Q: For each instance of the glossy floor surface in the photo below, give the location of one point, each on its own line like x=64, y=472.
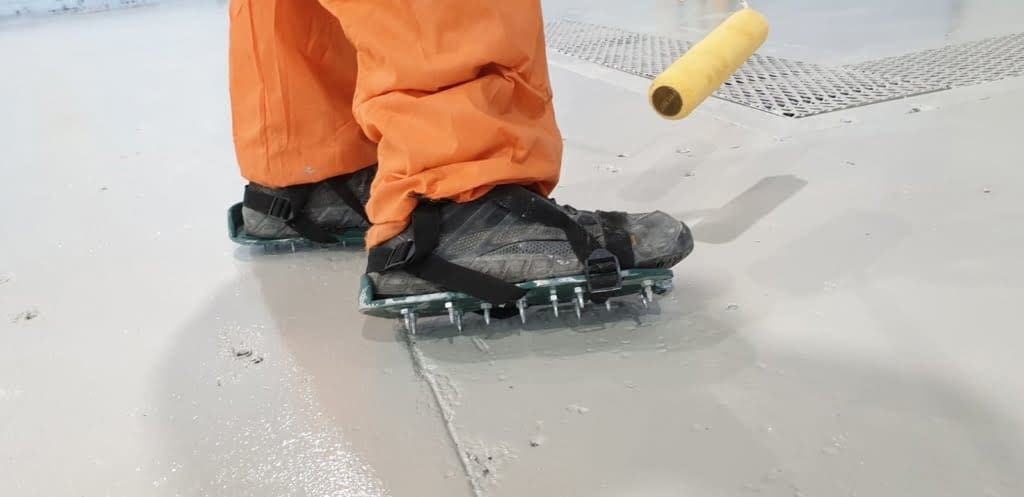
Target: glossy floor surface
x=847, y=324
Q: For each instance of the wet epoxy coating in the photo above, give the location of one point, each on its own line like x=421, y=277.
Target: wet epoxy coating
x=845, y=326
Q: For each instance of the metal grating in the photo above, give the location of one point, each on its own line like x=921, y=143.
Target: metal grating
x=967, y=64
x=817, y=91
x=799, y=89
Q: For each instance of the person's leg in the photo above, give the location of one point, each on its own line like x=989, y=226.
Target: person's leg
x=457, y=94
x=292, y=78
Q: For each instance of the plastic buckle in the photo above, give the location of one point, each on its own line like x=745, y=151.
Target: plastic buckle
x=400, y=256
x=281, y=208
x=603, y=272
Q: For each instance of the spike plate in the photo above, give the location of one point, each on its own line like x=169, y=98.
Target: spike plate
x=539, y=293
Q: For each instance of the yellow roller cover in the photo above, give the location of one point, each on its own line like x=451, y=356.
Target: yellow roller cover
x=708, y=64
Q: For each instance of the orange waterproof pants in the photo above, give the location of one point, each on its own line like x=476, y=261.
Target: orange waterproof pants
x=448, y=97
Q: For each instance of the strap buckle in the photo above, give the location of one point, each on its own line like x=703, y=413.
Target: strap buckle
x=603, y=272
x=281, y=208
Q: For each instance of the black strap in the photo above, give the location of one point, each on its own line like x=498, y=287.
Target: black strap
x=616, y=236
x=602, y=264
x=544, y=211
x=416, y=258
x=340, y=187
x=288, y=205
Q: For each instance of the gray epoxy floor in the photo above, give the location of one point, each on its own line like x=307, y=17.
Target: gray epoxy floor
x=846, y=325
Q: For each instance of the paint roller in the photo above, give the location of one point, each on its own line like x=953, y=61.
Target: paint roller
x=703, y=68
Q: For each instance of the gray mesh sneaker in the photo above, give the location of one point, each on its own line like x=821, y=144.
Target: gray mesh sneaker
x=313, y=211
x=512, y=235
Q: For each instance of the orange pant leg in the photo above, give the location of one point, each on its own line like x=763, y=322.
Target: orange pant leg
x=292, y=77
x=457, y=94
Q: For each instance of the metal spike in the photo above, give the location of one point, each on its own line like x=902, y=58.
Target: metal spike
x=608, y=305
x=451, y=311
x=644, y=301
x=458, y=320
x=649, y=290
x=576, y=307
x=486, y=307
x=410, y=320
x=579, y=297
x=554, y=300
x=521, y=304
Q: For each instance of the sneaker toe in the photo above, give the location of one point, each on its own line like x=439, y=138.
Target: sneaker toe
x=659, y=240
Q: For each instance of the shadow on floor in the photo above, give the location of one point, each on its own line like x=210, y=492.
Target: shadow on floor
x=726, y=223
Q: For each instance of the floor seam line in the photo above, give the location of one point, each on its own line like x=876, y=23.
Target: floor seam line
x=447, y=414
